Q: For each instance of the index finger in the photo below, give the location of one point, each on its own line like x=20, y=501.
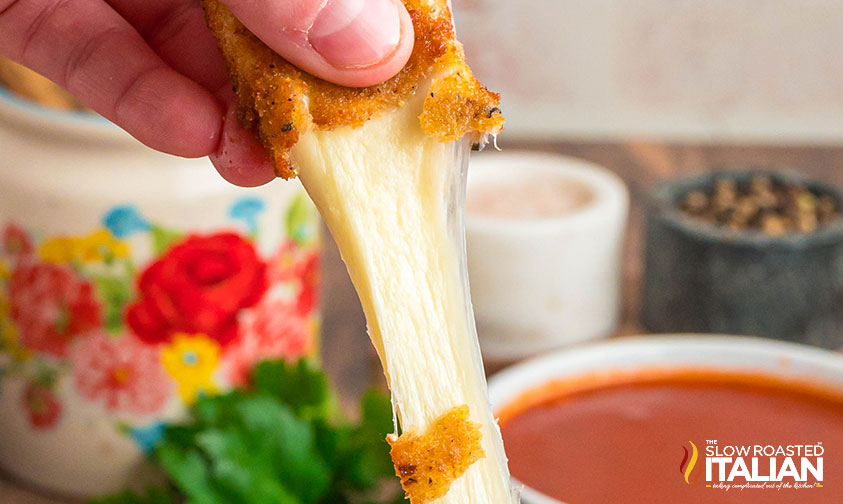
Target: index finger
x=86, y=47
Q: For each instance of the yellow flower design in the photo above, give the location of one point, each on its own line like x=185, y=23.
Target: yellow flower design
x=60, y=250
x=191, y=360
x=9, y=335
x=99, y=246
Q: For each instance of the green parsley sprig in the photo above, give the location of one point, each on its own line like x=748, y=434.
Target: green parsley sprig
x=282, y=441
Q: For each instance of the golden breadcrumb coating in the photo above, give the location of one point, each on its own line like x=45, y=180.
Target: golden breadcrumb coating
x=280, y=102
x=428, y=463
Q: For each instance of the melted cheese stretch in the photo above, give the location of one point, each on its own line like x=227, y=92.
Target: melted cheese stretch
x=392, y=198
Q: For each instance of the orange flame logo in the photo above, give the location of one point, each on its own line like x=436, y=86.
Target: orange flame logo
x=686, y=469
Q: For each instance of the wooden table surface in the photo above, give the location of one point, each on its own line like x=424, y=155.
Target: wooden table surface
x=347, y=354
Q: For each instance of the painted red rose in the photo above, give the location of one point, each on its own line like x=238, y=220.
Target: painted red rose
x=51, y=306
x=41, y=404
x=198, y=286
x=16, y=241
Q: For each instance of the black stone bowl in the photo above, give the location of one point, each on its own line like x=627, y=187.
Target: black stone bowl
x=705, y=279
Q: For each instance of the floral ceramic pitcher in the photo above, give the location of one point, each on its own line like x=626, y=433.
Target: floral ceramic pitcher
x=131, y=283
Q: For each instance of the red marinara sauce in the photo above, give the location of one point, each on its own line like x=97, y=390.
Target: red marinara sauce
x=626, y=438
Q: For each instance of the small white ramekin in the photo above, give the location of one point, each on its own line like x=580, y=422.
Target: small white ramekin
x=542, y=283
x=788, y=361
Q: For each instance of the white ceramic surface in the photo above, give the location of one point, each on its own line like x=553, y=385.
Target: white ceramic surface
x=538, y=284
x=727, y=353
x=62, y=175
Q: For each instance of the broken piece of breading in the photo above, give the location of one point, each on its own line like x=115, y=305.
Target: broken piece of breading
x=280, y=102
x=385, y=166
x=429, y=462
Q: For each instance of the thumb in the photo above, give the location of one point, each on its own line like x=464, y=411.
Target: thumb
x=348, y=42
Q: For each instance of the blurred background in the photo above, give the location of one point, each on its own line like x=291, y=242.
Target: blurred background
x=689, y=70
x=652, y=92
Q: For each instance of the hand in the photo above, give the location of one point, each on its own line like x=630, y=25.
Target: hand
x=153, y=68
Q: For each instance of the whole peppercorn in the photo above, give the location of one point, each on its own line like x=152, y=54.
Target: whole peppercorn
x=762, y=204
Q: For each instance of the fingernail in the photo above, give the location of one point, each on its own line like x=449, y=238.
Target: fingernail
x=355, y=33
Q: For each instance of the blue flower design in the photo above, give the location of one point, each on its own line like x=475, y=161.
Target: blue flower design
x=148, y=436
x=124, y=220
x=247, y=209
